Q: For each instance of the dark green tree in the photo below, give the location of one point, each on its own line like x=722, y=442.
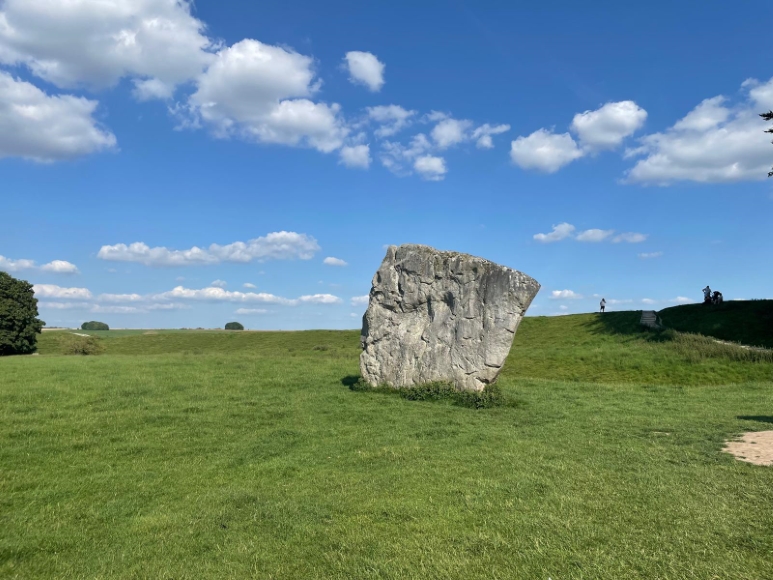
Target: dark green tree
x=234, y=326
x=94, y=325
x=19, y=323
x=768, y=117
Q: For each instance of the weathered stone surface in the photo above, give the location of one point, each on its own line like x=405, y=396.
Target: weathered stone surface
x=441, y=316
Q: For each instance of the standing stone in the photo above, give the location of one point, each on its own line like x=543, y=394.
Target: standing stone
x=441, y=316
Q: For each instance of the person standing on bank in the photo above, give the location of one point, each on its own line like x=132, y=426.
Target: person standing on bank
x=603, y=304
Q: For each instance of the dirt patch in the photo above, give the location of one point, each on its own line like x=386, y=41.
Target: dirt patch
x=150, y=332
x=753, y=447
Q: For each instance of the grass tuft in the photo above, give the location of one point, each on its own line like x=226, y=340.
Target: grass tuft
x=440, y=392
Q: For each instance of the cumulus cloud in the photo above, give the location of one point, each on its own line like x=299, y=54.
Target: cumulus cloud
x=396, y=157
x=649, y=255
x=262, y=93
x=450, y=132
x=44, y=304
x=564, y=295
x=560, y=232
x=544, y=151
x=483, y=135
x=213, y=294
x=274, y=246
x=219, y=284
x=249, y=285
x=365, y=69
x=604, y=128
x=356, y=156
x=55, y=266
x=330, y=261
x=58, y=292
x=682, y=300
x=391, y=119
x=431, y=168
x=715, y=142
x=566, y=230
x=43, y=128
x=360, y=300
x=120, y=298
x=158, y=43
x=649, y=301
x=594, y=235
x=608, y=126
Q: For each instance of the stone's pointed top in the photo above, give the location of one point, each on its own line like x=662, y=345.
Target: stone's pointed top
x=441, y=316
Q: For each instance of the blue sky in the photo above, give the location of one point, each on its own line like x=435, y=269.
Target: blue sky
x=170, y=165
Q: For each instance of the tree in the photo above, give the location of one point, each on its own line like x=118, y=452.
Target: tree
x=234, y=326
x=768, y=117
x=94, y=325
x=19, y=323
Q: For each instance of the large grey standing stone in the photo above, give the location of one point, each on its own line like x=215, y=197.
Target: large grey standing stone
x=441, y=316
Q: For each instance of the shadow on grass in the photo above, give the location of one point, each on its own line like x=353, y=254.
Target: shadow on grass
x=626, y=323
x=350, y=380
x=758, y=418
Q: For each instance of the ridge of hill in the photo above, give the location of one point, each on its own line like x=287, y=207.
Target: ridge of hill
x=748, y=322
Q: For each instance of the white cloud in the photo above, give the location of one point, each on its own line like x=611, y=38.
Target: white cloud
x=261, y=93
x=608, y=126
x=356, y=156
x=330, y=261
x=360, y=300
x=431, y=168
x=563, y=307
x=450, y=132
x=58, y=292
x=649, y=255
x=713, y=143
x=249, y=311
x=213, y=294
x=392, y=119
x=564, y=295
x=56, y=266
x=560, y=232
x=682, y=300
x=483, y=134
x=219, y=283
x=120, y=298
x=99, y=309
x=544, y=151
x=619, y=301
x=320, y=299
x=158, y=43
x=604, y=128
x=43, y=128
x=365, y=69
x=64, y=305
x=630, y=238
x=648, y=301
x=249, y=285
x=274, y=246
x=60, y=267
x=594, y=235
x=395, y=155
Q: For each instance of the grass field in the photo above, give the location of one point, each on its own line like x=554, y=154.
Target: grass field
x=244, y=455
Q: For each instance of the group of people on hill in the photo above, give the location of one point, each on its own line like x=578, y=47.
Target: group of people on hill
x=710, y=297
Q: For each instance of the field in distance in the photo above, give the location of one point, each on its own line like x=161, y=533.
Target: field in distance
x=244, y=454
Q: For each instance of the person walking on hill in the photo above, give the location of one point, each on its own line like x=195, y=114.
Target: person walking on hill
x=603, y=304
x=707, y=294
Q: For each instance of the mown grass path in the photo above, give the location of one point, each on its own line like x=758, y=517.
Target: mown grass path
x=246, y=457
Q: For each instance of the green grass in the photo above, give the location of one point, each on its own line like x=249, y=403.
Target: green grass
x=748, y=322
x=244, y=455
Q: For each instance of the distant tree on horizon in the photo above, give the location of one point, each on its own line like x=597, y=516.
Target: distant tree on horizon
x=768, y=117
x=234, y=326
x=94, y=325
x=19, y=323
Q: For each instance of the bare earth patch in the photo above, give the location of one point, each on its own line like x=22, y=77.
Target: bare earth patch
x=754, y=447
